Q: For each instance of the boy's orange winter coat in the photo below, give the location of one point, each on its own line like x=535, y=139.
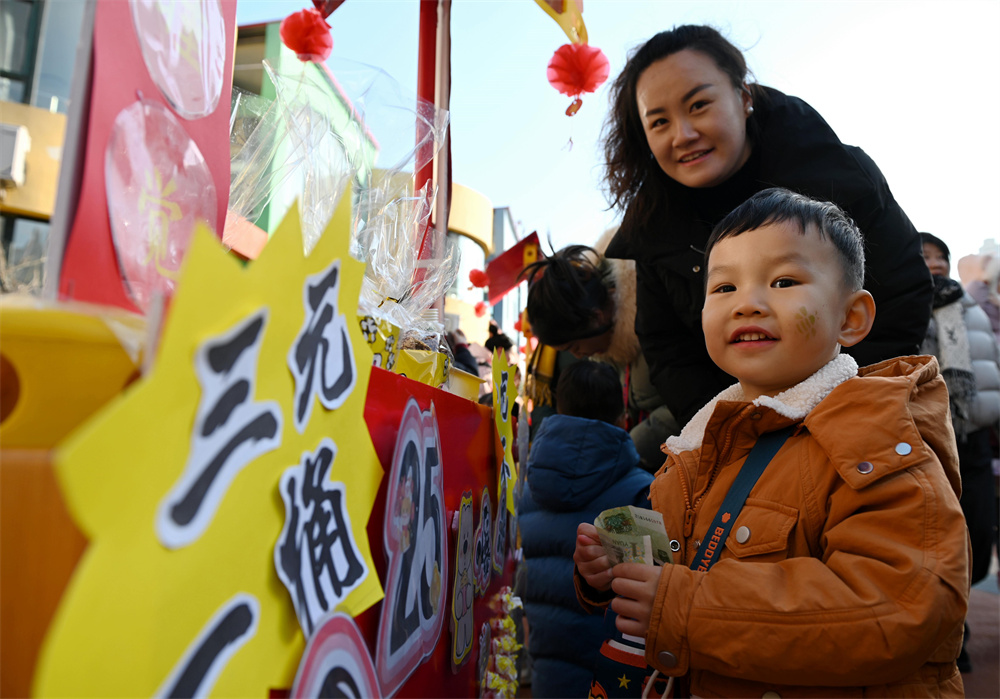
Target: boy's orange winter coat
x=846, y=572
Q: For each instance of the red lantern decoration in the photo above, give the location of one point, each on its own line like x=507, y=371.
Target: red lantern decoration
x=481, y=309
x=479, y=278
x=576, y=69
x=307, y=34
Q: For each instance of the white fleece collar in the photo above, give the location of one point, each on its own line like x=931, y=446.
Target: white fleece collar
x=795, y=403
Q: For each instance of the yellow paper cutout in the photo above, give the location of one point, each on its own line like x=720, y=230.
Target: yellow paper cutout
x=135, y=607
x=504, y=393
x=569, y=17
x=427, y=367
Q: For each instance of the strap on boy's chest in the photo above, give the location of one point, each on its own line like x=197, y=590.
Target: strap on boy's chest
x=757, y=460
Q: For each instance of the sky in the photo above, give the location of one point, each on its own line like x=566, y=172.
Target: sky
x=915, y=84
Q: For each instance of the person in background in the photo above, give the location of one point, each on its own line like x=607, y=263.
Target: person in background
x=961, y=338
x=980, y=275
x=842, y=567
x=584, y=304
x=498, y=340
x=580, y=463
x=460, y=351
x=688, y=138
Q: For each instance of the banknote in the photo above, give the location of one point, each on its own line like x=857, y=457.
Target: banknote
x=623, y=548
x=622, y=529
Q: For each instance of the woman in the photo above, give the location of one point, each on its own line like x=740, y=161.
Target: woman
x=582, y=304
x=687, y=140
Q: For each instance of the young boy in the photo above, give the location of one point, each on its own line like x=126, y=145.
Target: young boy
x=581, y=463
x=845, y=572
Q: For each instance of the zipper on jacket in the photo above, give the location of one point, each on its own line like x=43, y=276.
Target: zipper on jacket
x=723, y=456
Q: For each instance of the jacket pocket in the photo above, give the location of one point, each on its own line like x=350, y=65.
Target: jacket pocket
x=762, y=529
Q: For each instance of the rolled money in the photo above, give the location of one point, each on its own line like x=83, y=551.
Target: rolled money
x=636, y=522
x=622, y=548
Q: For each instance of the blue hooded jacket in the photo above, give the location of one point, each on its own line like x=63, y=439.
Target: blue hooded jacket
x=577, y=468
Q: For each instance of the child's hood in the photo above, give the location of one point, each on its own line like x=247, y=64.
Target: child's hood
x=573, y=460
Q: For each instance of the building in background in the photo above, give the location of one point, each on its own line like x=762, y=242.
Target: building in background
x=38, y=44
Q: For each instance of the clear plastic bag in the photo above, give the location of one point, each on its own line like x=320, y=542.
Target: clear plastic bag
x=340, y=123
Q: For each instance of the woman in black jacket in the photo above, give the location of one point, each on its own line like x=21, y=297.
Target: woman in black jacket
x=687, y=140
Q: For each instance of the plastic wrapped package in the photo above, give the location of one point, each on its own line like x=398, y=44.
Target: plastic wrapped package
x=158, y=186
x=340, y=123
x=184, y=47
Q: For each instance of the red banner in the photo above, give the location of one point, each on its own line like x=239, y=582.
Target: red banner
x=504, y=269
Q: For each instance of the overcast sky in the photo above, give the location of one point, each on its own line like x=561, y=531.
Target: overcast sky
x=915, y=84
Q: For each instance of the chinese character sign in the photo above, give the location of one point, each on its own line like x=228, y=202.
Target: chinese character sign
x=240, y=459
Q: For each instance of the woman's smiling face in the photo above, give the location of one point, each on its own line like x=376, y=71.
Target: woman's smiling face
x=694, y=119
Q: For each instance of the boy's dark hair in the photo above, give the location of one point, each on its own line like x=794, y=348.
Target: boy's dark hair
x=590, y=390
x=937, y=242
x=777, y=205
x=566, y=292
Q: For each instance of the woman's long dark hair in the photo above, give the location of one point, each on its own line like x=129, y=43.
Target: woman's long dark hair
x=633, y=179
x=566, y=293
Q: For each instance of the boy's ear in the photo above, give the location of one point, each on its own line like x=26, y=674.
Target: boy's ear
x=858, y=319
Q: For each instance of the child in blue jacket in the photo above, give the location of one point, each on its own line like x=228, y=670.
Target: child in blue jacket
x=581, y=463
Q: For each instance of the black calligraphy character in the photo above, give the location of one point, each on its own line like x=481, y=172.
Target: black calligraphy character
x=322, y=359
x=316, y=555
x=230, y=431
x=229, y=629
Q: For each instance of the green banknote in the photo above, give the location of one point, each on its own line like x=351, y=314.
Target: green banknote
x=630, y=533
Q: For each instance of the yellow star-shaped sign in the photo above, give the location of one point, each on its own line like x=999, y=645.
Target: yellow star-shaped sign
x=147, y=596
x=623, y=681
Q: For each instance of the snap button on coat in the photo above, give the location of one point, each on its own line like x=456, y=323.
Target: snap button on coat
x=903, y=448
x=675, y=545
x=865, y=467
x=742, y=535
x=666, y=658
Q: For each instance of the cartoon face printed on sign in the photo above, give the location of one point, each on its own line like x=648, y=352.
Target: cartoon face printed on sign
x=416, y=544
x=482, y=559
x=463, y=591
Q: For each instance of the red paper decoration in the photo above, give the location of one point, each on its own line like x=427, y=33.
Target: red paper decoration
x=479, y=278
x=576, y=69
x=307, y=34
x=481, y=309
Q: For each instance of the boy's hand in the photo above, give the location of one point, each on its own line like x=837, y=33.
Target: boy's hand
x=635, y=586
x=590, y=558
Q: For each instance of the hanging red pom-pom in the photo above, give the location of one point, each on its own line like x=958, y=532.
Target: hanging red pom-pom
x=481, y=309
x=578, y=68
x=307, y=34
x=479, y=278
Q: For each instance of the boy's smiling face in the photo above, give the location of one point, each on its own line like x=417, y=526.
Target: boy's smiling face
x=777, y=307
